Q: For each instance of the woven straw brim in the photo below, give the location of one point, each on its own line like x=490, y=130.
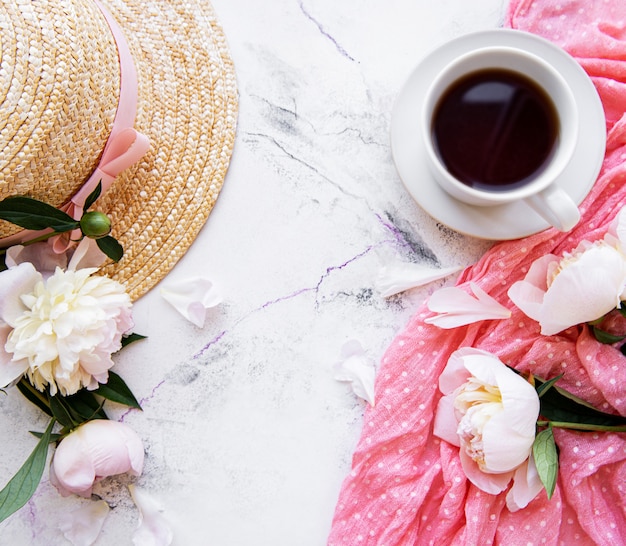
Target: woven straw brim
x=187, y=107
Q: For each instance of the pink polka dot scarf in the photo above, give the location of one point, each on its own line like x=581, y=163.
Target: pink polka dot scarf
x=406, y=486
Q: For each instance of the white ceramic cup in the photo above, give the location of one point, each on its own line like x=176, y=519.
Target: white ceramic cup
x=540, y=191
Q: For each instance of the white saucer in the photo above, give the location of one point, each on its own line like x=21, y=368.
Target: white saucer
x=513, y=220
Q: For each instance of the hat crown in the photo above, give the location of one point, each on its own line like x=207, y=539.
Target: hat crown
x=59, y=87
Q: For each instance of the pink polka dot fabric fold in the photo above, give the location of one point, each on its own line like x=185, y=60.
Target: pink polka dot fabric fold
x=407, y=487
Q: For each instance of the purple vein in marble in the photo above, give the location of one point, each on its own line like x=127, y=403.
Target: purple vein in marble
x=143, y=400
x=315, y=289
x=324, y=32
x=398, y=240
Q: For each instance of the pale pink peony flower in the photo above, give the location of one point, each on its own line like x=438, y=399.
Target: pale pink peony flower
x=95, y=450
x=490, y=413
x=582, y=286
x=60, y=329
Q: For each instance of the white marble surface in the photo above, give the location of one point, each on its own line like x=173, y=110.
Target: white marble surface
x=248, y=436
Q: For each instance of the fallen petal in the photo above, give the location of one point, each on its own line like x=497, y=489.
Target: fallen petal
x=455, y=307
x=357, y=369
x=192, y=298
x=398, y=277
x=83, y=525
x=153, y=530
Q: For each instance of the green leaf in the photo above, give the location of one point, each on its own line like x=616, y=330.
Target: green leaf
x=83, y=406
x=32, y=214
x=38, y=398
x=116, y=390
x=560, y=405
x=61, y=412
x=131, y=338
x=91, y=199
x=546, y=459
x=543, y=387
x=53, y=437
x=110, y=247
x=605, y=337
x=21, y=487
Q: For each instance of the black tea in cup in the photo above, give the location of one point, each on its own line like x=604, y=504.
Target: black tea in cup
x=495, y=129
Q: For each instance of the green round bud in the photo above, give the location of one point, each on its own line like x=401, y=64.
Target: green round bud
x=95, y=224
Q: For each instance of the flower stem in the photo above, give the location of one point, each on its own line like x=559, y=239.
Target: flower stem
x=38, y=239
x=583, y=426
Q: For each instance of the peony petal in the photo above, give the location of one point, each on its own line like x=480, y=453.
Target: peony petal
x=618, y=228
x=481, y=364
x=400, y=276
x=504, y=448
x=458, y=308
x=153, y=529
x=528, y=298
x=70, y=471
x=10, y=369
x=192, y=298
x=540, y=270
x=584, y=290
x=455, y=373
x=82, y=526
x=96, y=449
x=357, y=369
x=13, y=283
x=41, y=255
x=446, y=423
x=526, y=486
x=489, y=483
x=87, y=255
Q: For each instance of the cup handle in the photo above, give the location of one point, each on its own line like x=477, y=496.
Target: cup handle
x=556, y=207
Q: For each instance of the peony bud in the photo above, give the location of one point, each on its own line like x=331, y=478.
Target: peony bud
x=95, y=224
x=95, y=450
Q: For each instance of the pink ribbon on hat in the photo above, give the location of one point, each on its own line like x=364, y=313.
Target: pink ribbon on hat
x=125, y=146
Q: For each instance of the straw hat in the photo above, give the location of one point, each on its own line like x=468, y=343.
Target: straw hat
x=88, y=88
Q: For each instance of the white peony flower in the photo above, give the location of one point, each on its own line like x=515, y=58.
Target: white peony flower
x=582, y=286
x=60, y=330
x=490, y=413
